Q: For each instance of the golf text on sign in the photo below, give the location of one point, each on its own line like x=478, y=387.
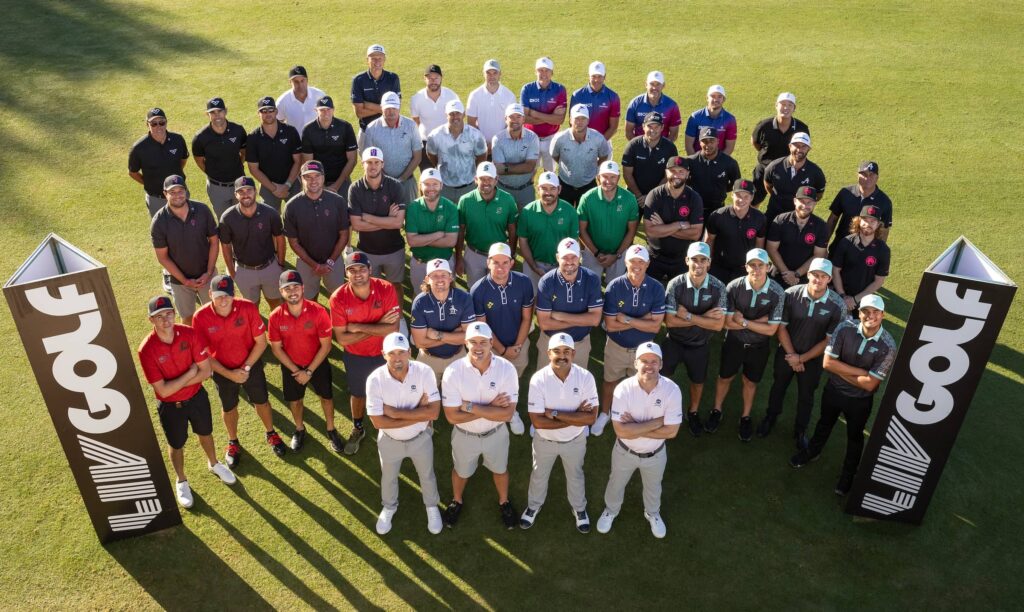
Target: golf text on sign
x=960, y=307
x=68, y=320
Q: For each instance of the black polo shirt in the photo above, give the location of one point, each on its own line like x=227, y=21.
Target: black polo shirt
x=859, y=264
x=713, y=179
x=316, y=223
x=648, y=164
x=773, y=143
x=875, y=354
x=329, y=146
x=187, y=242
x=808, y=321
x=367, y=89
x=696, y=299
x=687, y=207
x=785, y=183
x=796, y=244
x=157, y=161
x=222, y=152
x=377, y=202
x=741, y=298
x=251, y=238
x=848, y=203
x=274, y=155
x=734, y=236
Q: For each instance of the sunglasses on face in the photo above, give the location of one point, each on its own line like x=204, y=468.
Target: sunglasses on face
x=158, y=123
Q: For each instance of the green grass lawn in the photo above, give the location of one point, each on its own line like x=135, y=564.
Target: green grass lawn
x=930, y=90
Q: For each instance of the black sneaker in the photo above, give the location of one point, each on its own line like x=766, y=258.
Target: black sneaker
x=746, y=429
x=800, y=438
x=298, y=439
x=352, y=446
x=337, y=442
x=275, y=442
x=451, y=513
x=766, y=426
x=714, y=420
x=696, y=427
x=508, y=515
x=844, y=484
x=802, y=458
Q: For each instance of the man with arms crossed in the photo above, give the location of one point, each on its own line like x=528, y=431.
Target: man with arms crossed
x=316, y=224
x=252, y=244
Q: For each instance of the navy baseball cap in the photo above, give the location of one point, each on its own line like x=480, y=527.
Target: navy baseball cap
x=433, y=68
x=266, y=102
x=289, y=277
x=222, y=285
x=173, y=181
x=654, y=117
x=297, y=71
x=743, y=185
x=155, y=112
x=708, y=133
x=160, y=304
x=809, y=193
x=357, y=258
x=244, y=181
x=678, y=162
x=867, y=166
x=325, y=102
x=215, y=104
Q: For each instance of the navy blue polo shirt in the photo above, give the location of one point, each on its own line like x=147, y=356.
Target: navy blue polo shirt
x=696, y=299
x=621, y=296
x=555, y=294
x=859, y=264
x=501, y=306
x=365, y=88
x=447, y=316
x=796, y=244
x=808, y=321
x=848, y=203
x=849, y=345
x=742, y=298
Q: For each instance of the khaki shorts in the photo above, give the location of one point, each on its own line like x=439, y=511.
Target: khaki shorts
x=618, y=361
x=468, y=448
x=523, y=359
x=390, y=267
x=252, y=282
x=438, y=364
x=582, y=351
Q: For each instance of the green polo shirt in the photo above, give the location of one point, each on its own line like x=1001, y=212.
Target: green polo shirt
x=607, y=221
x=543, y=232
x=487, y=222
x=421, y=220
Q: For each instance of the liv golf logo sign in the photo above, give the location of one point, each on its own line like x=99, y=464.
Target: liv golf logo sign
x=959, y=310
x=76, y=344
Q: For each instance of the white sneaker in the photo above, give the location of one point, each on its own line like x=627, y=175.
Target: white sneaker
x=384, y=520
x=517, y=424
x=604, y=522
x=598, y=427
x=658, y=528
x=533, y=431
x=434, y=522
x=184, y=494
x=224, y=473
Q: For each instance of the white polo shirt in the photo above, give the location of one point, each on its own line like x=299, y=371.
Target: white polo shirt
x=548, y=391
x=383, y=388
x=464, y=383
x=431, y=114
x=298, y=114
x=665, y=401
x=489, y=109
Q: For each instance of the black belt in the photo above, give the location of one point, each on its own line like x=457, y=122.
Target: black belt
x=530, y=184
x=182, y=403
x=458, y=186
x=479, y=435
x=573, y=439
x=641, y=455
x=220, y=184
x=259, y=267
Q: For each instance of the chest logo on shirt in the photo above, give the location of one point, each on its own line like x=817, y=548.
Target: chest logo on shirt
x=494, y=385
x=809, y=237
x=239, y=322
x=284, y=141
x=684, y=211
x=618, y=208
x=452, y=309
x=161, y=358
x=490, y=305
x=621, y=303
x=705, y=297
x=285, y=328
x=575, y=390
x=335, y=137
x=232, y=139
x=751, y=233
x=806, y=181
x=183, y=346
x=259, y=225
x=193, y=222
x=497, y=210
x=721, y=175
x=213, y=329
x=873, y=349
x=307, y=325
x=870, y=261
x=173, y=151
x=657, y=402
x=765, y=301
x=412, y=387
x=534, y=100
x=561, y=221
x=377, y=304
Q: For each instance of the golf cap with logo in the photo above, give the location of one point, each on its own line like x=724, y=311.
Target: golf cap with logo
x=160, y=303
x=708, y=133
x=743, y=185
x=222, y=285
x=867, y=166
x=431, y=174
x=820, y=264
x=758, y=254
x=357, y=258
x=609, y=167
x=373, y=153
x=454, y=106
x=807, y=193
x=312, y=167
x=872, y=301
x=395, y=341
x=433, y=69
x=215, y=104
x=716, y=89
x=244, y=181
x=655, y=76
x=155, y=112
x=438, y=265
x=871, y=211
x=265, y=103
x=654, y=117
x=678, y=162
x=596, y=68
x=174, y=180
x=637, y=251
x=548, y=178
x=579, y=110
x=390, y=100
x=479, y=330
x=561, y=339
x=801, y=138
x=544, y=62
x=648, y=348
x=297, y=71
x=486, y=169
x=324, y=102
x=375, y=49
x=698, y=249
x=499, y=248
x=514, y=109
x=568, y=246
x=786, y=97
x=492, y=64
x=289, y=277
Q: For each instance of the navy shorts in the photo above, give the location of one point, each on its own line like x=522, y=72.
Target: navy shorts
x=357, y=369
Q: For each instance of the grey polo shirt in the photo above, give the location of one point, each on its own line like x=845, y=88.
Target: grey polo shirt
x=808, y=321
x=456, y=157
x=696, y=299
x=578, y=161
x=742, y=298
x=251, y=238
x=377, y=202
x=508, y=150
x=398, y=143
x=316, y=223
x=875, y=354
x=187, y=242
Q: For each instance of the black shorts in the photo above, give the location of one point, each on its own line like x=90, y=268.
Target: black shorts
x=255, y=388
x=694, y=357
x=357, y=369
x=663, y=269
x=752, y=358
x=725, y=273
x=176, y=416
x=320, y=381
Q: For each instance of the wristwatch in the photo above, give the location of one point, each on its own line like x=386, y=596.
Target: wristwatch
x=744, y=324
x=627, y=319
x=554, y=414
x=688, y=317
x=469, y=407
x=308, y=372
x=247, y=367
x=329, y=262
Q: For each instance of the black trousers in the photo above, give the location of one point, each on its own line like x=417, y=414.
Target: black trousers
x=758, y=180
x=572, y=194
x=856, y=410
x=806, y=385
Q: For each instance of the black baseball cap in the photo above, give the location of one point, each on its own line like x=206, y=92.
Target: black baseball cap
x=244, y=181
x=654, y=117
x=708, y=133
x=222, y=285
x=743, y=185
x=289, y=277
x=266, y=102
x=678, y=162
x=807, y=192
x=325, y=102
x=867, y=166
x=174, y=180
x=160, y=304
x=433, y=68
x=357, y=258
x=215, y=104
x=155, y=112
x=297, y=71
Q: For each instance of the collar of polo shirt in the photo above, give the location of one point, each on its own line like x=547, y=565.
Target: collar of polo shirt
x=704, y=285
x=763, y=289
x=807, y=294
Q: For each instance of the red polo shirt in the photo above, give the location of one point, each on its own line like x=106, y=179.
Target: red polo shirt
x=300, y=336
x=229, y=338
x=162, y=361
x=347, y=308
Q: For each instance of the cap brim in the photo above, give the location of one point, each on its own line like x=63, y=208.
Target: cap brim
x=220, y=293
x=159, y=310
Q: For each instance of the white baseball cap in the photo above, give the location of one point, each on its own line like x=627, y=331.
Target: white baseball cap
x=637, y=251
x=786, y=97
x=609, y=167
x=454, y=106
x=373, y=153
x=500, y=248
x=514, y=109
x=655, y=75
x=648, y=348
x=716, y=89
x=820, y=264
x=492, y=64
x=435, y=265
x=486, y=169
x=872, y=301
x=390, y=100
x=544, y=62
x=596, y=68
x=375, y=49
x=758, y=254
x=801, y=137
x=431, y=174
x=395, y=341
x=579, y=110
x=698, y=249
x=548, y=178
x=479, y=329
x=568, y=246
x=561, y=339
